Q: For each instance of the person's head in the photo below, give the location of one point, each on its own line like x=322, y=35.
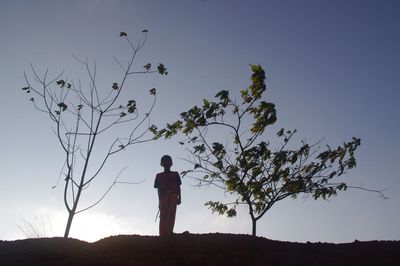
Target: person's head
x=166, y=162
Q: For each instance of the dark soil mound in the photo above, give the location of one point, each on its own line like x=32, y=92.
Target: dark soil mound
x=192, y=249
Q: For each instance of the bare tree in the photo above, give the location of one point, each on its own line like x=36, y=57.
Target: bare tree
x=82, y=115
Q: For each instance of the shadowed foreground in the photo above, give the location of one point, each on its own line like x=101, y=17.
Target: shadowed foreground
x=193, y=249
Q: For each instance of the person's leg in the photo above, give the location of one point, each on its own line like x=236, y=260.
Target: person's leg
x=171, y=212
x=163, y=205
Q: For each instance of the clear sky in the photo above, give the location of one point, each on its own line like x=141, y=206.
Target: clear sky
x=333, y=72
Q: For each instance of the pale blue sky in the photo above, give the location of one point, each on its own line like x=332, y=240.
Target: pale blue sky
x=332, y=69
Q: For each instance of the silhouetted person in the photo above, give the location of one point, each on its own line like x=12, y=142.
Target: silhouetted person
x=169, y=195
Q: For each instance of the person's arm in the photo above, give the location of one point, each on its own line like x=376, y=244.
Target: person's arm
x=157, y=187
x=179, y=196
x=179, y=199
x=156, y=182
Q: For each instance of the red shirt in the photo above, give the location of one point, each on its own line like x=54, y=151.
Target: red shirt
x=168, y=181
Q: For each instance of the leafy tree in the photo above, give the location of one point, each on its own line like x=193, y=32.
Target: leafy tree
x=83, y=117
x=245, y=165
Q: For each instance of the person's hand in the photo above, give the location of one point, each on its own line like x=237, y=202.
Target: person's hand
x=178, y=200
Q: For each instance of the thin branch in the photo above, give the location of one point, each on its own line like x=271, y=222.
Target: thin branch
x=108, y=190
x=379, y=192
x=119, y=64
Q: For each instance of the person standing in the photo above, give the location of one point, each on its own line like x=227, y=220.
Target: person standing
x=169, y=195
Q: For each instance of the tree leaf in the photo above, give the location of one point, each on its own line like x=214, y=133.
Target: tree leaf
x=147, y=66
x=231, y=213
x=280, y=132
x=162, y=69
x=63, y=106
x=60, y=82
x=206, y=103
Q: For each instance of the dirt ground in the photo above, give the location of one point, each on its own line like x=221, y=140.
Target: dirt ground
x=195, y=249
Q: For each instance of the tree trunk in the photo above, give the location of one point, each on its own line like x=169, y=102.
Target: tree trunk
x=254, y=226
x=71, y=215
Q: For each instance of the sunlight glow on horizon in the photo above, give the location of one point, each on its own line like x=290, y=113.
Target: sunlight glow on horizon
x=87, y=226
